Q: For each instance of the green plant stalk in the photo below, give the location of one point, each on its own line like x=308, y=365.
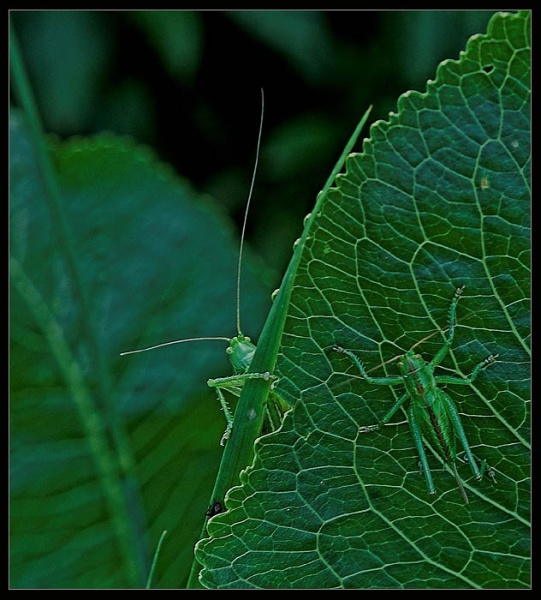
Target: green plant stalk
x=93, y=426
x=124, y=458
x=155, y=560
x=250, y=411
x=23, y=91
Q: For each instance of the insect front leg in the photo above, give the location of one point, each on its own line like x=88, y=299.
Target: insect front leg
x=451, y=332
x=236, y=381
x=228, y=416
x=233, y=384
x=375, y=380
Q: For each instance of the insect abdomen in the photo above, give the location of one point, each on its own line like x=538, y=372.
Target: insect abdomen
x=437, y=427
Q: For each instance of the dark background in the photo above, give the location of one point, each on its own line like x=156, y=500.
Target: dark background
x=188, y=84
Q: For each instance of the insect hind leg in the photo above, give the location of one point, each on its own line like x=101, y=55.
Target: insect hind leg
x=418, y=439
x=461, y=434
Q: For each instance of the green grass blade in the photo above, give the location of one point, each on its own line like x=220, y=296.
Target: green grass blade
x=239, y=450
x=155, y=560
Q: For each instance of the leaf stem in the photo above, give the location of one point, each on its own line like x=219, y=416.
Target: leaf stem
x=249, y=414
x=92, y=422
x=155, y=559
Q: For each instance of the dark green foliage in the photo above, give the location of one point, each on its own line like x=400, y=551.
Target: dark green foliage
x=439, y=198
x=109, y=451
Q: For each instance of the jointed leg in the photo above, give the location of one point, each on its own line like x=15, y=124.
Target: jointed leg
x=375, y=380
x=484, y=363
x=386, y=418
x=418, y=439
x=389, y=381
x=471, y=378
x=233, y=384
x=236, y=381
x=459, y=429
x=451, y=332
x=228, y=416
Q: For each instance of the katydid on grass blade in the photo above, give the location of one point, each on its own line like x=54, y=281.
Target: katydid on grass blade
x=241, y=349
x=432, y=415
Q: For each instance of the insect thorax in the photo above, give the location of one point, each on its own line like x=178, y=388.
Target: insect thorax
x=416, y=373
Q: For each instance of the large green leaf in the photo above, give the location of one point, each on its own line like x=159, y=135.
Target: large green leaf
x=96, y=478
x=438, y=199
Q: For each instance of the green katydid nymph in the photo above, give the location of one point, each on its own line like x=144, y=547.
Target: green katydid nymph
x=241, y=349
x=431, y=413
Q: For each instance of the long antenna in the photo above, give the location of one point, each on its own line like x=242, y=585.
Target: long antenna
x=459, y=483
x=389, y=360
x=239, y=267
x=225, y=339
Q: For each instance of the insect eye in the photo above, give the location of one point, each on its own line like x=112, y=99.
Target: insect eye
x=229, y=350
x=418, y=356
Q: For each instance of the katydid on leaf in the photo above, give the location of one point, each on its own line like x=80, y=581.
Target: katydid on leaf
x=241, y=349
x=432, y=415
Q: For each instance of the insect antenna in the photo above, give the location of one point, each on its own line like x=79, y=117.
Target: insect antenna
x=418, y=343
x=241, y=247
x=197, y=339
x=246, y=210
x=459, y=482
x=427, y=337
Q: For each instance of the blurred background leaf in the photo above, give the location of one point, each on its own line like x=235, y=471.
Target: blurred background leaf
x=176, y=37
x=159, y=258
x=156, y=271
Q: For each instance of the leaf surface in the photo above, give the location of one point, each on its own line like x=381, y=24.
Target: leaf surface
x=438, y=199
